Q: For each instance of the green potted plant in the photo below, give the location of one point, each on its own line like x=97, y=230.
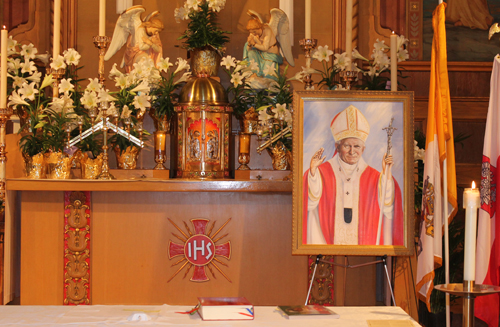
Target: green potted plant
x=203, y=36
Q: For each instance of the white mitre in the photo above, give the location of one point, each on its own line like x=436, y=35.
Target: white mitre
x=350, y=123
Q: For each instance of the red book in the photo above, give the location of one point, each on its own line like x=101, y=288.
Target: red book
x=225, y=308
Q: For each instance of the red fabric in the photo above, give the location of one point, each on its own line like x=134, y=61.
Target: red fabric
x=487, y=307
x=369, y=210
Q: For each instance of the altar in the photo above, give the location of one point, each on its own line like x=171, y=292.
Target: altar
x=133, y=223
x=165, y=315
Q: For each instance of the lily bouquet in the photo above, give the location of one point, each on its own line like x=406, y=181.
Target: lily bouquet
x=163, y=92
x=203, y=29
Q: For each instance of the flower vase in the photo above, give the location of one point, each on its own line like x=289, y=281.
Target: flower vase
x=58, y=165
x=127, y=159
x=204, y=62
x=91, y=168
x=281, y=156
x=162, y=129
x=34, y=167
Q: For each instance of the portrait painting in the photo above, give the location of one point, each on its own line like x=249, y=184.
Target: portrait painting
x=467, y=27
x=353, y=172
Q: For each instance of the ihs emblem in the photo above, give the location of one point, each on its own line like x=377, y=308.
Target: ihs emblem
x=199, y=250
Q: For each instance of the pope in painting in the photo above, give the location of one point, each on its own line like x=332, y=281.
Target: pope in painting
x=346, y=201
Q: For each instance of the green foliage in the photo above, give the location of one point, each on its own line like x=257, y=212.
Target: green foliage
x=165, y=96
x=328, y=75
x=203, y=30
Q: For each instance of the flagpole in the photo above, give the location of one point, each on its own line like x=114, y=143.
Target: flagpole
x=446, y=239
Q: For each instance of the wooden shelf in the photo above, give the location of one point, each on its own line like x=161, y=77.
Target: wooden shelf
x=149, y=185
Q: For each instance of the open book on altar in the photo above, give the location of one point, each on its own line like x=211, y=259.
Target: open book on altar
x=307, y=311
x=225, y=308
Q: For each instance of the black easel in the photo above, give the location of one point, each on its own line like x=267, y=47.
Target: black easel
x=384, y=261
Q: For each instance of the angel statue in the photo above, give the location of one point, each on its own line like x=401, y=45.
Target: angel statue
x=264, y=44
x=142, y=37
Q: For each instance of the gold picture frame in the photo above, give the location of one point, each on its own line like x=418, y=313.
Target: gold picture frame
x=352, y=116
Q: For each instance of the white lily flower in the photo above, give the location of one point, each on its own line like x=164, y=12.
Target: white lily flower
x=114, y=72
x=403, y=55
x=357, y=55
x=401, y=41
x=16, y=99
x=72, y=57
x=104, y=96
x=13, y=65
x=93, y=85
x=192, y=4
x=380, y=46
x=28, y=67
x=183, y=78
x=121, y=81
x=164, y=64
x=47, y=80
x=89, y=99
x=253, y=65
x=65, y=86
x=236, y=79
x=181, y=65
x=180, y=14
x=143, y=87
x=263, y=115
x=45, y=58
x=28, y=91
x=18, y=82
x=322, y=53
x=28, y=51
x=58, y=63
x=270, y=70
x=11, y=46
x=342, y=61
x=229, y=62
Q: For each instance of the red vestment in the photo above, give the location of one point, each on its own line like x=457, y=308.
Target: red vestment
x=369, y=210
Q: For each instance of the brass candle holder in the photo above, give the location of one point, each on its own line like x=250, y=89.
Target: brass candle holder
x=5, y=114
x=308, y=45
x=57, y=75
x=348, y=76
x=244, y=153
x=102, y=43
x=469, y=290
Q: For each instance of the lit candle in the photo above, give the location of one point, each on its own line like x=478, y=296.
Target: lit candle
x=244, y=143
x=56, y=46
x=3, y=66
x=471, y=204
x=394, y=62
x=348, y=29
x=102, y=17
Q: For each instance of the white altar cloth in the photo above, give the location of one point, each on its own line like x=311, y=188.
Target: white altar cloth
x=166, y=315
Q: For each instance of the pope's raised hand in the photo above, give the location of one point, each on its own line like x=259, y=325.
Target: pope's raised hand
x=316, y=160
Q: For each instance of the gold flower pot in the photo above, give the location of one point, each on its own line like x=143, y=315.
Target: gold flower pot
x=127, y=159
x=58, y=165
x=91, y=168
x=281, y=156
x=35, y=167
x=205, y=62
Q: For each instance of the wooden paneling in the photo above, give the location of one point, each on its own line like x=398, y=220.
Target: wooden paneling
x=130, y=237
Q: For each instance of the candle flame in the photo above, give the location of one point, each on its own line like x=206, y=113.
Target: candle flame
x=473, y=185
x=4, y=27
x=393, y=32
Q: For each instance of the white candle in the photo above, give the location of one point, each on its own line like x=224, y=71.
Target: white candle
x=348, y=29
x=3, y=65
x=394, y=62
x=56, y=46
x=102, y=17
x=308, y=19
x=471, y=204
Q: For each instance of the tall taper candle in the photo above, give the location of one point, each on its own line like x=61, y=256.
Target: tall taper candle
x=56, y=46
x=308, y=19
x=471, y=204
x=3, y=65
x=348, y=29
x=102, y=17
x=394, y=62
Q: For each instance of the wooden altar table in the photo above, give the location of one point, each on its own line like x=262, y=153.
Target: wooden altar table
x=165, y=315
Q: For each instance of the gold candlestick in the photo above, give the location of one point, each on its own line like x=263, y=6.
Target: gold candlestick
x=57, y=74
x=308, y=45
x=105, y=164
x=5, y=114
x=349, y=76
x=102, y=43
